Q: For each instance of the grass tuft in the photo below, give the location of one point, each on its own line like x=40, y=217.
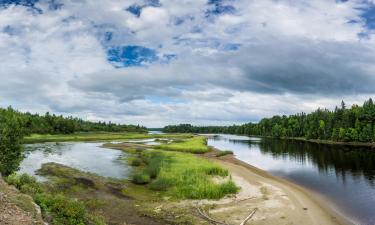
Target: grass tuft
x=141, y=178
x=223, y=153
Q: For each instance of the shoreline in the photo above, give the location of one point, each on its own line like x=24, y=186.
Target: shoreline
x=320, y=210
x=370, y=145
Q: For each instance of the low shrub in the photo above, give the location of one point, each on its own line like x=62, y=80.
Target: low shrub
x=135, y=162
x=25, y=183
x=62, y=210
x=141, y=178
x=57, y=209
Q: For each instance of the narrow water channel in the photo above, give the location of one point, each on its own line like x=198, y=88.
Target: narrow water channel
x=344, y=175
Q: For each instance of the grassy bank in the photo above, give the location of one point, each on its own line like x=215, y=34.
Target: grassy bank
x=57, y=209
x=181, y=175
x=160, y=176
x=197, y=144
x=97, y=136
x=114, y=201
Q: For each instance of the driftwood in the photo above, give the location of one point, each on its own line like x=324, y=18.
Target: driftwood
x=216, y=222
x=249, y=216
x=208, y=218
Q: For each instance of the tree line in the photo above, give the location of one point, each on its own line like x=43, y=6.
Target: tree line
x=57, y=124
x=14, y=125
x=354, y=124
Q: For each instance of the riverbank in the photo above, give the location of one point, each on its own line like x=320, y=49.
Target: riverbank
x=329, y=142
x=277, y=201
x=97, y=136
x=17, y=208
x=323, y=142
x=268, y=199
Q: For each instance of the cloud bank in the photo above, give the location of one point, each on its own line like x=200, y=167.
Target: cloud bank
x=185, y=61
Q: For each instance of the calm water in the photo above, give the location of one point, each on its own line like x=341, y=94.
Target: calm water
x=89, y=157
x=345, y=175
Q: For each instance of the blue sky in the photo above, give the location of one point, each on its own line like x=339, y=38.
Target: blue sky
x=158, y=62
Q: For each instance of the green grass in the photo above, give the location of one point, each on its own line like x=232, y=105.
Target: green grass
x=196, y=144
x=185, y=176
x=223, y=153
x=57, y=209
x=97, y=136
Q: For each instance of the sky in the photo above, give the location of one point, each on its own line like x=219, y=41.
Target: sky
x=204, y=62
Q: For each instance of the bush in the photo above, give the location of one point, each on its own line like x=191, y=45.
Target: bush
x=141, y=178
x=63, y=211
x=135, y=162
x=11, y=135
x=25, y=183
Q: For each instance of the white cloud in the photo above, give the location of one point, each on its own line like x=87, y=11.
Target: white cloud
x=268, y=57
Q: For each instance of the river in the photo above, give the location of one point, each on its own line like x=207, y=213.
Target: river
x=88, y=157
x=343, y=175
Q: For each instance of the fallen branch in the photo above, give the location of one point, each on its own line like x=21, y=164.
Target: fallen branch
x=209, y=219
x=249, y=217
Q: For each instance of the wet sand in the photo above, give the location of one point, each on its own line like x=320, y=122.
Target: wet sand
x=277, y=201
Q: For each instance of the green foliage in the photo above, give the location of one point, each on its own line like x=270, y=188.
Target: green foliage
x=192, y=145
x=135, y=162
x=97, y=136
x=59, y=209
x=25, y=183
x=184, y=175
x=11, y=134
x=141, y=178
x=343, y=124
x=223, y=153
x=64, y=211
x=53, y=124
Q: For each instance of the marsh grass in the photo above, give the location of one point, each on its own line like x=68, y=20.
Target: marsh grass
x=185, y=176
x=97, y=136
x=223, y=153
x=196, y=144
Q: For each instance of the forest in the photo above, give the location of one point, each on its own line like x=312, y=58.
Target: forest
x=14, y=125
x=57, y=124
x=346, y=124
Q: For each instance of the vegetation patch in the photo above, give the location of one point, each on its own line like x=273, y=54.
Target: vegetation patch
x=197, y=144
x=57, y=209
x=224, y=153
x=183, y=176
x=97, y=136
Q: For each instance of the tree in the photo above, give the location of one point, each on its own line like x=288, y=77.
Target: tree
x=11, y=134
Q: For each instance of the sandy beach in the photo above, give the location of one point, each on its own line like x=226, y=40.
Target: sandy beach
x=275, y=200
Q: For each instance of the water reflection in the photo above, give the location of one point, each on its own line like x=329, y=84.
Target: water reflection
x=352, y=161
x=343, y=174
x=89, y=157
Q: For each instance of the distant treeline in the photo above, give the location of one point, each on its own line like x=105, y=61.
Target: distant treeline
x=355, y=124
x=14, y=125
x=57, y=124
